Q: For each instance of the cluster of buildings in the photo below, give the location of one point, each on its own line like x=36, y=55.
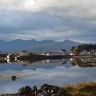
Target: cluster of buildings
x=14, y=57
x=60, y=52
x=85, y=53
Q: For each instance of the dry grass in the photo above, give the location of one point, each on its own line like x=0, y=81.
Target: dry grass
x=82, y=89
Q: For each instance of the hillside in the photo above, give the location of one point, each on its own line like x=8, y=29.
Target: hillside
x=35, y=46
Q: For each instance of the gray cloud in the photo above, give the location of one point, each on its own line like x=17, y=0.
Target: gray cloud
x=49, y=20
x=74, y=8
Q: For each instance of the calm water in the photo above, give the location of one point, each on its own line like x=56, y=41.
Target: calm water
x=57, y=72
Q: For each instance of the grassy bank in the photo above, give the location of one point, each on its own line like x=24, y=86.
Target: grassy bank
x=80, y=89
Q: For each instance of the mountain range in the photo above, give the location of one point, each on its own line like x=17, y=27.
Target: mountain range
x=35, y=46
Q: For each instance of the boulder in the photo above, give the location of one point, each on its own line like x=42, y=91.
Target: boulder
x=44, y=94
x=24, y=90
x=51, y=87
x=21, y=91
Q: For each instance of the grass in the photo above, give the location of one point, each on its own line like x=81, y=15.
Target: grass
x=82, y=89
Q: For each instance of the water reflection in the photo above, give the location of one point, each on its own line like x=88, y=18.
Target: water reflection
x=55, y=72
x=84, y=62
x=81, y=62
x=61, y=61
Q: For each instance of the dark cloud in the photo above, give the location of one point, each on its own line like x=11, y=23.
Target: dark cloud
x=46, y=24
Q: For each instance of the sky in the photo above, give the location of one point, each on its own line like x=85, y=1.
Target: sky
x=48, y=19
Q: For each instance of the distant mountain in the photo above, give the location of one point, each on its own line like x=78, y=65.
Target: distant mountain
x=66, y=44
x=35, y=46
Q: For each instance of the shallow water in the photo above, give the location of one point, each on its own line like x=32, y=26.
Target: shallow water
x=58, y=72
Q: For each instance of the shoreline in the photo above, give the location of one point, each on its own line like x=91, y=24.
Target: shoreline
x=79, y=89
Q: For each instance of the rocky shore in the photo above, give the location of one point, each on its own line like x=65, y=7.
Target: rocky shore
x=45, y=90
x=81, y=89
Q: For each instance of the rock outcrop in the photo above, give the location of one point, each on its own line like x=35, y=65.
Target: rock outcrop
x=44, y=90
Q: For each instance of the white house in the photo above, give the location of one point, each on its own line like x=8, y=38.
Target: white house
x=8, y=56
x=93, y=52
x=85, y=52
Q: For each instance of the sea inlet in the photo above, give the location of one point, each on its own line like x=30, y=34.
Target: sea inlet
x=14, y=75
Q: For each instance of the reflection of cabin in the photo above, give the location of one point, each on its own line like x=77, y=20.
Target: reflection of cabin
x=10, y=56
x=84, y=62
x=3, y=55
x=7, y=58
x=3, y=61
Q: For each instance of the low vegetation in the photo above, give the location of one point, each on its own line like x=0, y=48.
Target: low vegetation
x=88, y=47
x=80, y=89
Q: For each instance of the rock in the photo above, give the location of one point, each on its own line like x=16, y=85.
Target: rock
x=27, y=89
x=62, y=92
x=13, y=78
x=21, y=91
x=38, y=91
x=44, y=94
x=45, y=90
x=51, y=87
x=54, y=91
x=54, y=95
x=24, y=90
x=34, y=88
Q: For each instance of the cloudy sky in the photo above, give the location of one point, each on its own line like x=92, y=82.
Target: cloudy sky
x=48, y=19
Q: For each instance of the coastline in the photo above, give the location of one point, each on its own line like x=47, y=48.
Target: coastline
x=79, y=89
